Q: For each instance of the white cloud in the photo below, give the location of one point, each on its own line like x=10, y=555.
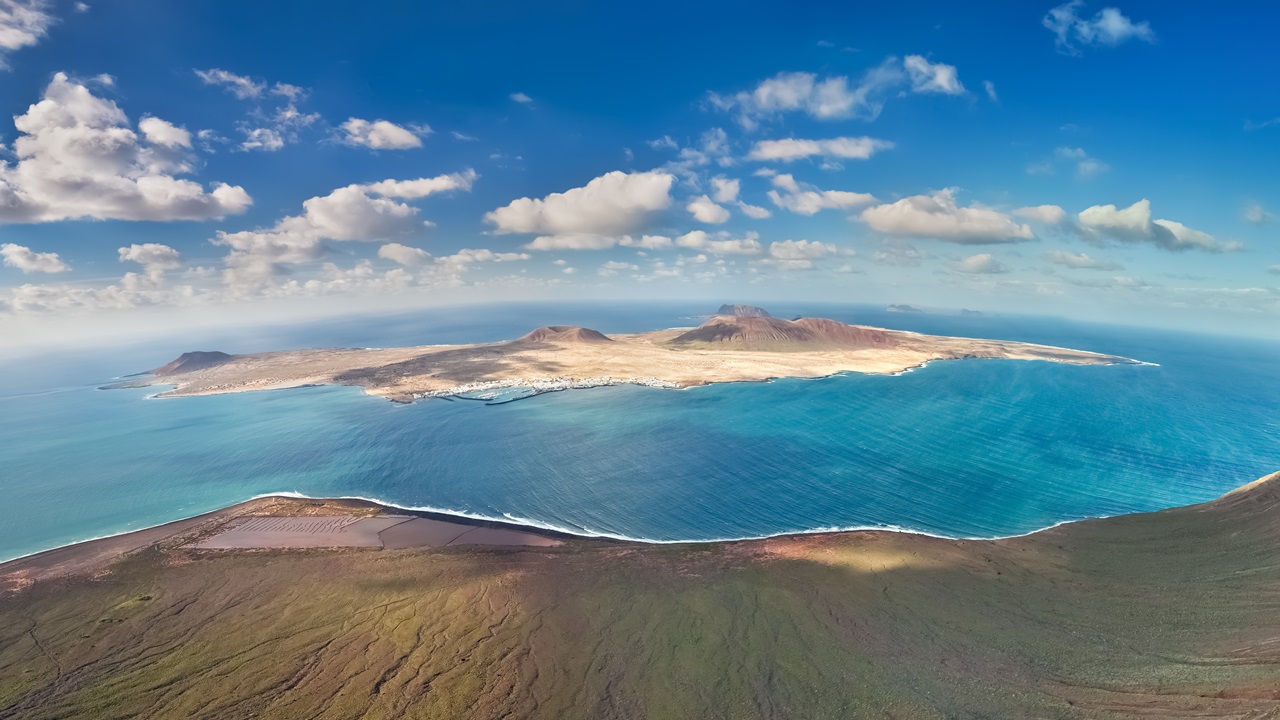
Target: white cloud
x=990, y=87
x=938, y=216
x=355, y=213
x=614, y=203
x=647, y=242
x=721, y=243
x=927, y=77
x=1079, y=261
x=790, y=149
x=239, y=85
x=754, y=211
x=164, y=134
x=804, y=199
x=1135, y=225
x=156, y=259
x=266, y=139
x=292, y=92
x=78, y=158
x=382, y=134
x=22, y=24
x=1108, y=27
x=521, y=98
x=470, y=256
x=403, y=254
x=1045, y=214
x=726, y=190
x=422, y=187
x=1085, y=165
x=981, y=264
x=281, y=128
x=836, y=98
x=798, y=254
x=28, y=261
x=613, y=267
x=704, y=210
x=1257, y=214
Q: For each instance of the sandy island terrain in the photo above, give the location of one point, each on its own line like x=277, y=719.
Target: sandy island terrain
x=727, y=348
x=1166, y=614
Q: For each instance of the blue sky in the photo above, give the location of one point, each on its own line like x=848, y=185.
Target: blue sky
x=202, y=162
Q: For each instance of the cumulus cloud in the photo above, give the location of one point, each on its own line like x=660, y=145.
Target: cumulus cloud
x=521, y=98
x=29, y=261
x=79, y=158
x=836, y=97
x=754, y=212
x=165, y=134
x=790, y=149
x=1086, y=166
x=981, y=264
x=403, y=254
x=705, y=210
x=383, y=134
x=1257, y=214
x=240, y=86
x=613, y=267
x=22, y=24
x=721, y=243
x=1044, y=214
x=938, y=216
x=1135, y=225
x=355, y=213
x=153, y=257
x=1079, y=261
x=804, y=199
x=927, y=77
x=990, y=87
x=1108, y=27
x=798, y=254
x=271, y=133
x=612, y=204
x=726, y=190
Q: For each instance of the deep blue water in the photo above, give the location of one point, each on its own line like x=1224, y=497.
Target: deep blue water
x=972, y=448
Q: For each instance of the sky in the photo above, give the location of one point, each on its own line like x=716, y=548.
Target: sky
x=177, y=165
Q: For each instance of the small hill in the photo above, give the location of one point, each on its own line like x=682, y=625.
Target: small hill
x=566, y=334
x=192, y=361
x=769, y=333
x=743, y=311
x=905, y=309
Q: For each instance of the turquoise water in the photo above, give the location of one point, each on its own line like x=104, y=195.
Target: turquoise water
x=972, y=448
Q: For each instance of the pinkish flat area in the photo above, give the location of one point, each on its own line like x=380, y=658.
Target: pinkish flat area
x=386, y=531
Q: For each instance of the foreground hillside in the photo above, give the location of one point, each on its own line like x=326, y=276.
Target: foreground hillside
x=1169, y=614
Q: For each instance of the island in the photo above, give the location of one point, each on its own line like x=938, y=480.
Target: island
x=230, y=615
x=744, y=344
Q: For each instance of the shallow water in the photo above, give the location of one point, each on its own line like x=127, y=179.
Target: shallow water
x=972, y=448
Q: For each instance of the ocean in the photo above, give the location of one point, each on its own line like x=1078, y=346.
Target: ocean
x=979, y=448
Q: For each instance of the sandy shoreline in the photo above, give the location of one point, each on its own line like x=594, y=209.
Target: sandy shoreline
x=94, y=555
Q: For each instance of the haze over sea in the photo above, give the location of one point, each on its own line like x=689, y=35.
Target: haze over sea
x=966, y=449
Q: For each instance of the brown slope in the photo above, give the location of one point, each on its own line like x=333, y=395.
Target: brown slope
x=566, y=334
x=192, y=361
x=776, y=333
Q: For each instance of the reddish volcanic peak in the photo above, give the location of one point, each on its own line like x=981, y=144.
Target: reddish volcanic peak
x=769, y=332
x=191, y=361
x=566, y=334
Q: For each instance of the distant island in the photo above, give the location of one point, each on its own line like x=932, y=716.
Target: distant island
x=742, y=343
